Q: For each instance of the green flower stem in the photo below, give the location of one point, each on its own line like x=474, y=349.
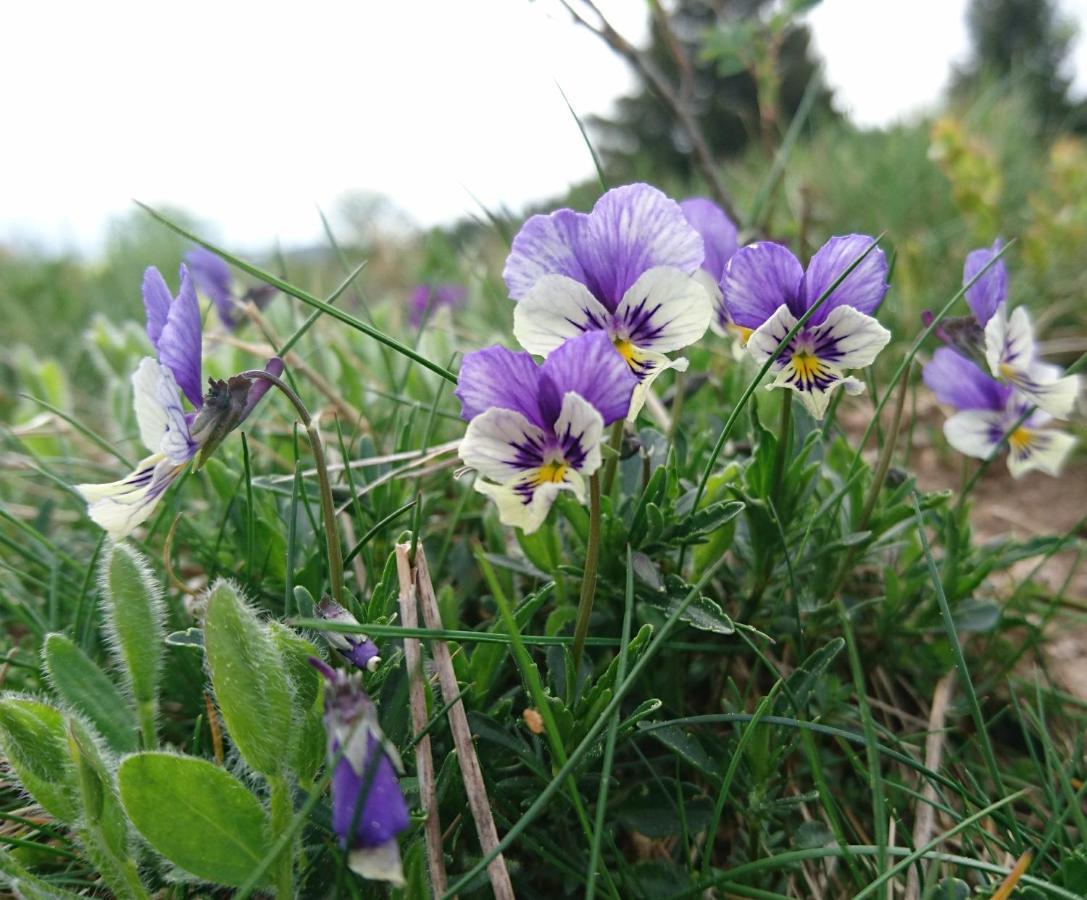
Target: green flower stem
x=785, y=430
x=588, y=582
x=328, y=509
x=148, y=713
x=614, y=444
x=282, y=814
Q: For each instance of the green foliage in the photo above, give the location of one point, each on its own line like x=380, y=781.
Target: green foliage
x=250, y=678
x=87, y=689
x=200, y=817
x=132, y=603
x=35, y=742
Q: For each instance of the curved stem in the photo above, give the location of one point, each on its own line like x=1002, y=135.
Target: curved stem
x=328, y=509
x=588, y=582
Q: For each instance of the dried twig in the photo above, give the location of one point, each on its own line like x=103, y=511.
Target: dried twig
x=934, y=750
x=603, y=29
x=478, y=802
x=424, y=760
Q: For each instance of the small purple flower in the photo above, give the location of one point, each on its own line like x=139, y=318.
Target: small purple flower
x=1002, y=342
x=534, y=431
x=426, y=299
x=212, y=276
x=987, y=410
x=719, y=236
x=368, y=807
x=766, y=290
x=174, y=436
x=357, y=649
x=626, y=269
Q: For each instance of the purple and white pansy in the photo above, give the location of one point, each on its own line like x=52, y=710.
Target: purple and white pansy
x=987, y=411
x=720, y=240
x=535, y=430
x=368, y=807
x=174, y=436
x=766, y=291
x=1004, y=342
x=627, y=269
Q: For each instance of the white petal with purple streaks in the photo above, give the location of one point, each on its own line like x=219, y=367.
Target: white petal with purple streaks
x=501, y=444
x=665, y=309
x=555, y=310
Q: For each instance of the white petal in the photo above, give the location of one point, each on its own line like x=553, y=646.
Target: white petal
x=849, y=339
x=815, y=388
x=1010, y=353
x=119, y=507
x=648, y=365
x=975, y=432
x=159, y=413
x=500, y=444
x=1042, y=450
x=764, y=340
x=555, y=309
x=510, y=498
x=580, y=430
x=380, y=863
x=1045, y=387
x=664, y=310
x=1009, y=341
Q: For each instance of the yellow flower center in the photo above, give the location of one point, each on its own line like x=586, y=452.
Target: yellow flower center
x=1020, y=439
x=806, y=365
x=1007, y=372
x=744, y=334
x=553, y=471
x=625, y=349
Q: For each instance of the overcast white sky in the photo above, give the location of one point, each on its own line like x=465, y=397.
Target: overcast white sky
x=251, y=114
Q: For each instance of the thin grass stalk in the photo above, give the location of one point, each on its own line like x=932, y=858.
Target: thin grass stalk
x=462, y=735
x=424, y=758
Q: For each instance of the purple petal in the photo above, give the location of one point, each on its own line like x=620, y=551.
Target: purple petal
x=260, y=386
x=758, y=279
x=631, y=229
x=383, y=813
x=499, y=377
x=958, y=382
x=718, y=233
x=179, y=342
x=590, y=366
x=991, y=289
x=545, y=245
x=863, y=288
x=212, y=276
x=156, y=301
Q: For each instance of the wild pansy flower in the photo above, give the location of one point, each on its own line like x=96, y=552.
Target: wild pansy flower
x=719, y=237
x=368, y=807
x=173, y=435
x=766, y=290
x=426, y=299
x=356, y=648
x=212, y=276
x=1005, y=343
x=626, y=269
x=535, y=430
x=987, y=410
